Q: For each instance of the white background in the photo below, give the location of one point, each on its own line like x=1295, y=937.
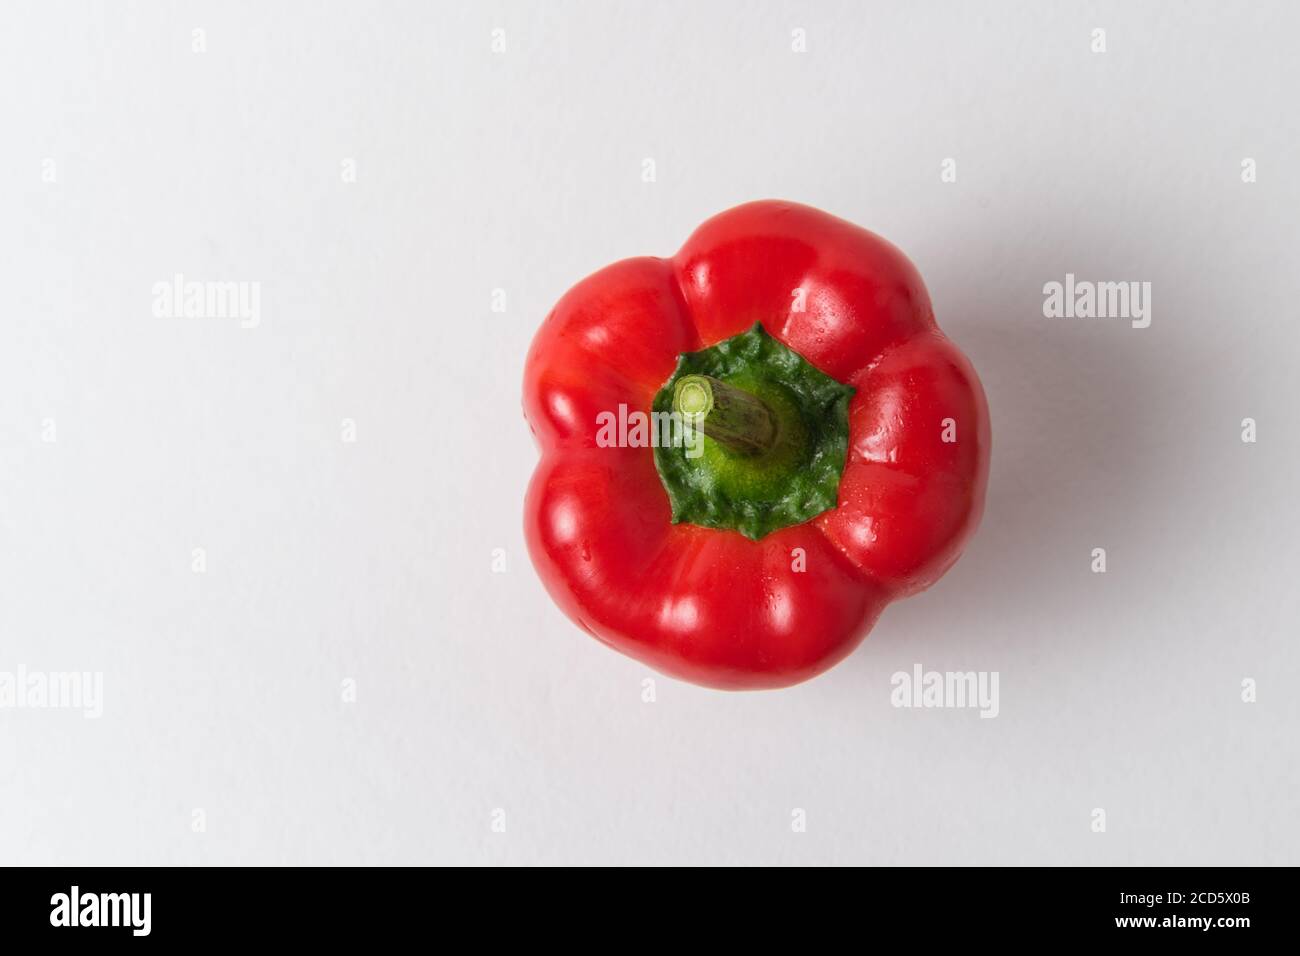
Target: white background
x=522, y=170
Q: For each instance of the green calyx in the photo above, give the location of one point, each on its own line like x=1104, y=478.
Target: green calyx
x=764, y=436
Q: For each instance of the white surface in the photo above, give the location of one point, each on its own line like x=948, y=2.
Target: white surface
x=522, y=170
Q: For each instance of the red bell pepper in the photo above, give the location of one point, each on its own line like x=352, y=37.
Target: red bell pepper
x=834, y=447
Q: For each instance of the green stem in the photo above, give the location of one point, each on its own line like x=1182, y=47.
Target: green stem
x=740, y=422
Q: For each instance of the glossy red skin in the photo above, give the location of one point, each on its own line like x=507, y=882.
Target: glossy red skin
x=711, y=606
